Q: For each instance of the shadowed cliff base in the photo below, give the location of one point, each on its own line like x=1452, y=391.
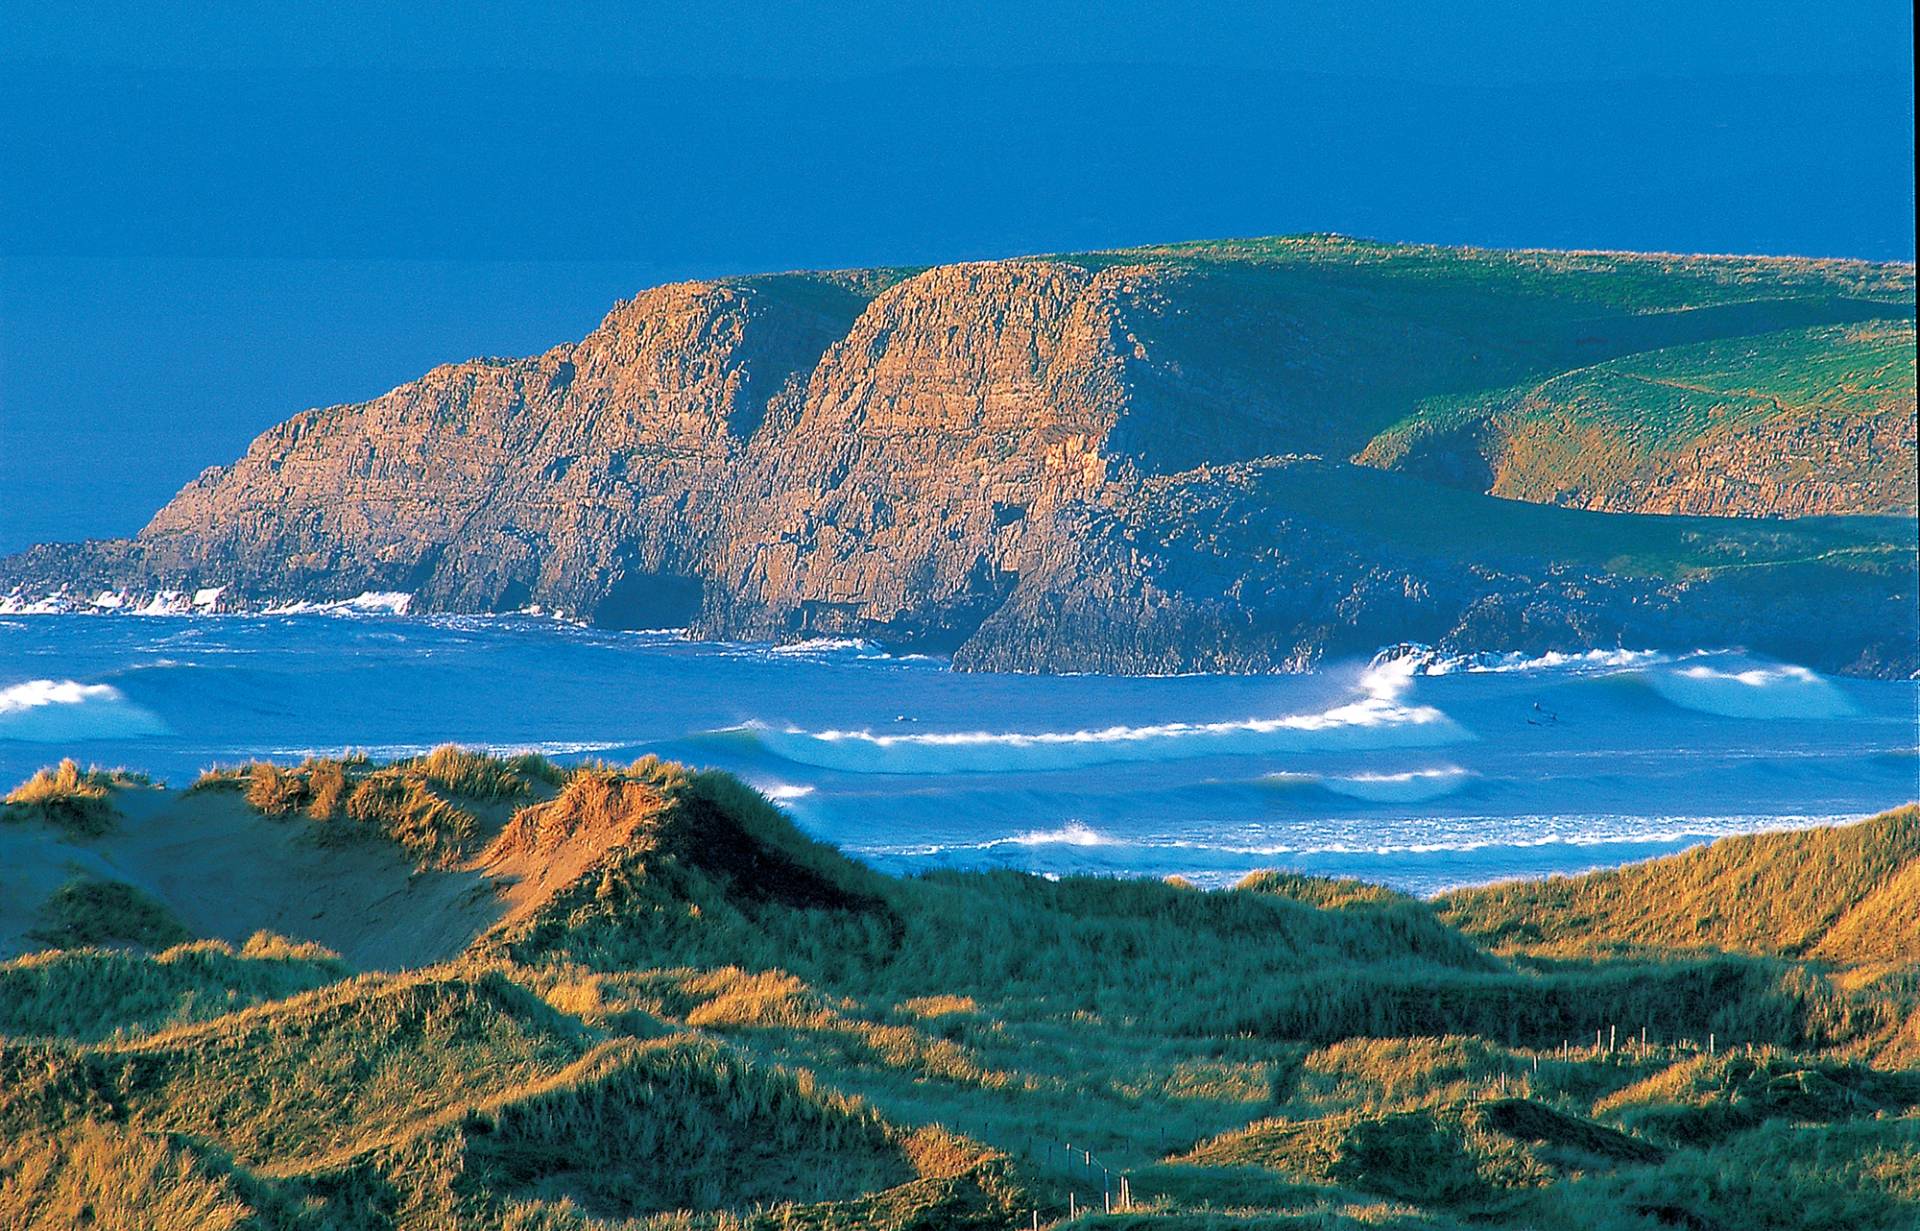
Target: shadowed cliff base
x=619, y=997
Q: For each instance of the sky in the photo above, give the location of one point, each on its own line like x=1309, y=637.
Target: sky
x=214, y=216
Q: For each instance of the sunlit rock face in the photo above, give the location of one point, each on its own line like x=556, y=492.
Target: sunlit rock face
x=1240, y=456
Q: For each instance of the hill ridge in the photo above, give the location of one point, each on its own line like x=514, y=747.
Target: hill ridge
x=1007, y=460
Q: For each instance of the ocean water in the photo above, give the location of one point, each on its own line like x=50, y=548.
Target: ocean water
x=1412, y=770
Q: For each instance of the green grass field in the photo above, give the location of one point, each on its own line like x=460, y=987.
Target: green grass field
x=707, y=1020
x=1831, y=402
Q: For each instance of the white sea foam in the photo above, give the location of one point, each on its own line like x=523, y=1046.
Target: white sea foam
x=1425, y=660
x=1073, y=833
x=63, y=711
x=390, y=752
x=1431, y=860
x=166, y=603
x=784, y=792
x=45, y=604
x=367, y=602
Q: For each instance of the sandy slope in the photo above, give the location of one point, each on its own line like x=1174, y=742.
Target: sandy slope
x=226, y=872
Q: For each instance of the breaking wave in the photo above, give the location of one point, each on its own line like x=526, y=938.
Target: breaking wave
x=1756, y=692
x=1378, y=718
x=1073, y=833
x=62, y=711
x=370, y=602
x=1410, y=786
x=1425, y=660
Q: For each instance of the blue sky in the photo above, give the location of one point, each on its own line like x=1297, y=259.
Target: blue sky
x=214, y=216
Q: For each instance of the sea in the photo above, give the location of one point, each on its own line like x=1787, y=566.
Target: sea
x=1412, y=768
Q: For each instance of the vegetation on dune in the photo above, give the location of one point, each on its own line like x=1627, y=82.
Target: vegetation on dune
x=1794, y=894
x=1706, y=1099
x=713, y=1022
x=415, y=803
x=101, y=1175
x=95, y=912
x=93, y=994
x=1862, y=1176
x=715, y=1129
x=319, y=1073
x=71, y=798
x=1462, y=1155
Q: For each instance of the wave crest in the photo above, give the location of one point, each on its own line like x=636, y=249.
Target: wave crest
x=1377, y=719
x=1417, y=659
x=1783, y=691
x=63, y=711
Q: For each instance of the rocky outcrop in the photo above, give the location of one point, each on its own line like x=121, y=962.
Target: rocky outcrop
x=1113, y=462
x=564, y=479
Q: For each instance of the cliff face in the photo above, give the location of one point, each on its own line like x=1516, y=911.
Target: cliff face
x=490, y=484
x=929, y=458
x=1125, y=461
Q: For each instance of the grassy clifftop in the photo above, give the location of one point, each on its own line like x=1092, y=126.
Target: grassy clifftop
x=1795, y=421
x=665, y=1007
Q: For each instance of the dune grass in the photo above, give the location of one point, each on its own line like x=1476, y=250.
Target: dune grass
x=424, y=805
x=1468, y=1156
x=718, y=1023
x=1787, y=893
x=102, y=1175
x=93, y=994
x=75, y=800
x=85, y=911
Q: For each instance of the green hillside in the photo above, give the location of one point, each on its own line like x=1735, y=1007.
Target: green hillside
x=680, y=1012
x=1322, y=343
x=1807, y=410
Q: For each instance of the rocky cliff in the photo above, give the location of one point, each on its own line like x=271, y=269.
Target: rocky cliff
x=1128, y=461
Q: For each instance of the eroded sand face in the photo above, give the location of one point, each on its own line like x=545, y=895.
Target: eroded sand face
x=226, y=871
